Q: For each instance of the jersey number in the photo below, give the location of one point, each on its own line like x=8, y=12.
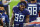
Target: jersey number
x=19, y=17
x=32, y=10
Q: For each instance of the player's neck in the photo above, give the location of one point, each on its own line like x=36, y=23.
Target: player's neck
x=33, y=2
x=21, y=10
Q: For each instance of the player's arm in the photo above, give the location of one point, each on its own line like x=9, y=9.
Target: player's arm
x=12, y=19
x=7, y=21
x=27, y=18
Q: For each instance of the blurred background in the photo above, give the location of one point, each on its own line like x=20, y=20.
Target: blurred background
x=13, y=3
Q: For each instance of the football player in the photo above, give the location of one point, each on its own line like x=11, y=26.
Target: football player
x=1, y=8
x=33, y=9
x=20, y=15
x=3, y=17
x=5, y=3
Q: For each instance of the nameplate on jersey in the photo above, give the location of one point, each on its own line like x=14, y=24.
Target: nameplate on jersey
x=32, y=4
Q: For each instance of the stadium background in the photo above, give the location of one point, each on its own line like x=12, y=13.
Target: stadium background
x=13, y=3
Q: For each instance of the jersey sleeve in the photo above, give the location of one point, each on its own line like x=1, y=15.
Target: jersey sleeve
x=14, y=8
x=27, y=12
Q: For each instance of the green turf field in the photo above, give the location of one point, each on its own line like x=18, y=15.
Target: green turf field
x=13, y=3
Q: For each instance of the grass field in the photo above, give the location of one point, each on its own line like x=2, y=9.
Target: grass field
x=13, y=3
